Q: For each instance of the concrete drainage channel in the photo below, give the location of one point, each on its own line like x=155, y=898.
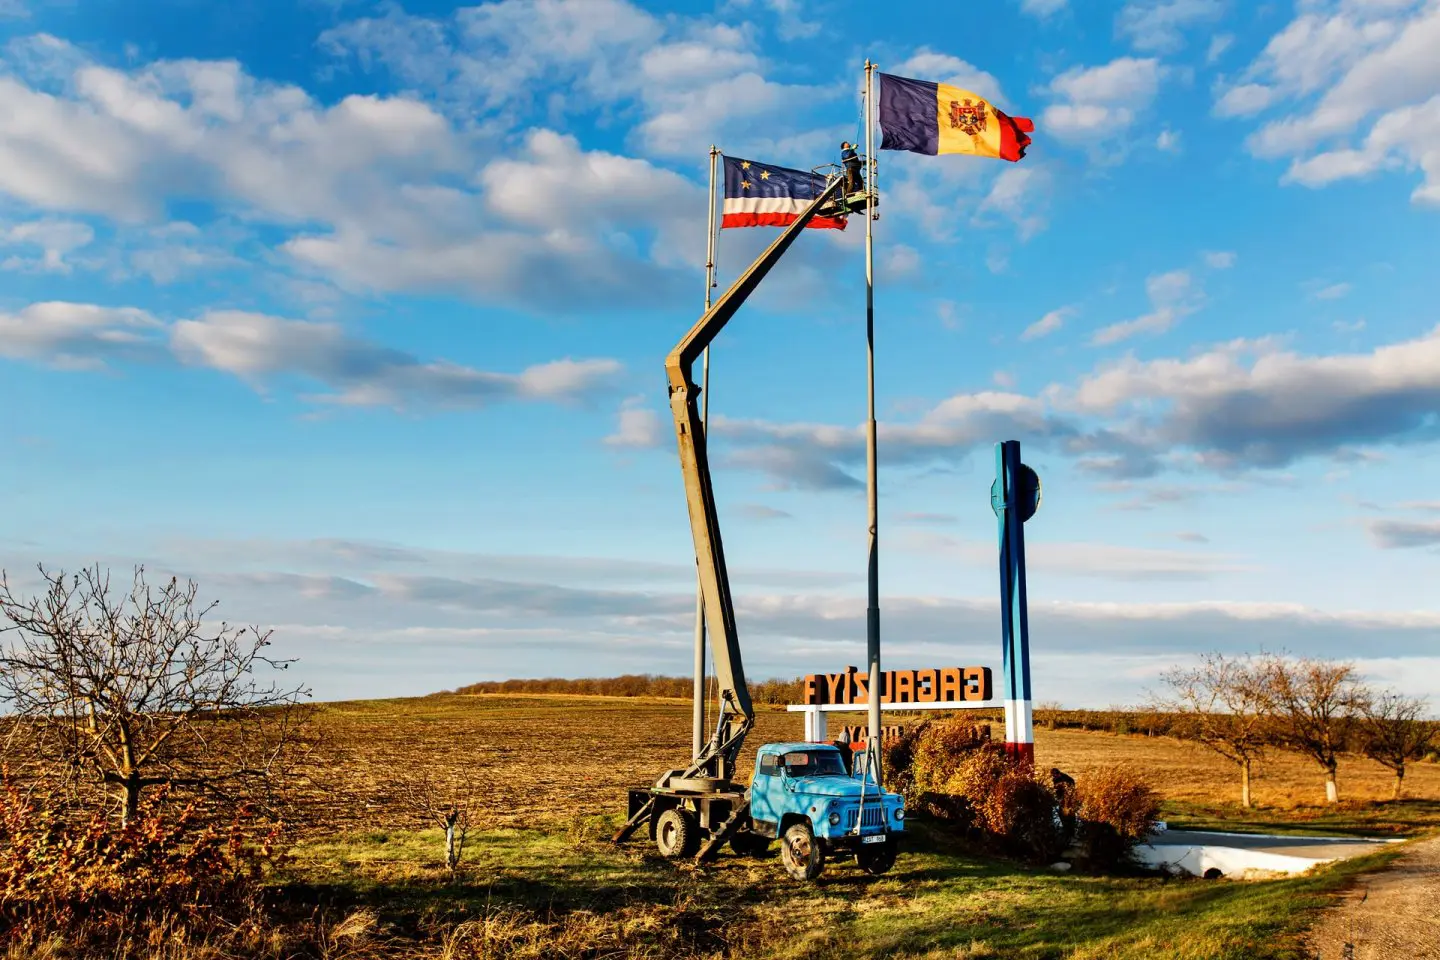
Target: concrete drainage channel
x=1247, y=856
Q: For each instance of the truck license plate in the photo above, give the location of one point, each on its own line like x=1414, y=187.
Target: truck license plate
x=877, y=838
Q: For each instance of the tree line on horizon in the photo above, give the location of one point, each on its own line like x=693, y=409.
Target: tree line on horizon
x=631, y=685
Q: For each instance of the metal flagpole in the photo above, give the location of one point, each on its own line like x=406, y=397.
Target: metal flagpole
x=697, y=735
x=872, y=612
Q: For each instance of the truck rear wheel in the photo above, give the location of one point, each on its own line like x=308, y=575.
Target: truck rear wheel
x=677, y=835
x=800, y=852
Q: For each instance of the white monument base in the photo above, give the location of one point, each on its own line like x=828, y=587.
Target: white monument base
x=815, y=712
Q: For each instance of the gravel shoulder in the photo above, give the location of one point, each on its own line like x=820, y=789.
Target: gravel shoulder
x=1393, y=913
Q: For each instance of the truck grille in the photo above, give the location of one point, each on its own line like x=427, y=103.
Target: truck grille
x=874, y=817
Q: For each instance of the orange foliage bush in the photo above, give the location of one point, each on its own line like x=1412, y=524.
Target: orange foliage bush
x=1116, y=809
x=948, y=769
x=89, y=874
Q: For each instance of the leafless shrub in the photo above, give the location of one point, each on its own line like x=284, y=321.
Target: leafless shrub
x=134, y=692
x=450, y=803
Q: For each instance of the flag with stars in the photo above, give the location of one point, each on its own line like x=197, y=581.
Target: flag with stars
x=763, y=195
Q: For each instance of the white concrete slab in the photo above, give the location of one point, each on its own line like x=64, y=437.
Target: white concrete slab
x=1248, y=856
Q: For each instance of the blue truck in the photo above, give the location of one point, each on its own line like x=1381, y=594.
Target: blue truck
x=803, y=794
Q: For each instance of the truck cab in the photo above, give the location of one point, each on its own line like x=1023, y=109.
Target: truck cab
x=803, y=795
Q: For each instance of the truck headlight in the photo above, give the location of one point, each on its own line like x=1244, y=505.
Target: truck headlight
x=834, y=818
x=899, y=813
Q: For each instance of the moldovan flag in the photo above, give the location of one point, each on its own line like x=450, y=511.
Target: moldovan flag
x=933, y=118
x=762, y=195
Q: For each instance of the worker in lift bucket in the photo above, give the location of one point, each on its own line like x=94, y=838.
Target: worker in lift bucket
x=851, y=161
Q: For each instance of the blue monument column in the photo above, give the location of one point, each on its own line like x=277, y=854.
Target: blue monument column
x=1015, y=496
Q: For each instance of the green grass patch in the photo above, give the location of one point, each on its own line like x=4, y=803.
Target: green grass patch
x=585, y=897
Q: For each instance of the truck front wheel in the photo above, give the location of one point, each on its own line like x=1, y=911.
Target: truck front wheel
x=677, y=835
x=800, y=852
x=877, y=859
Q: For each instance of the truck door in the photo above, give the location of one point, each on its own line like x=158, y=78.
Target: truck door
x=764, y=787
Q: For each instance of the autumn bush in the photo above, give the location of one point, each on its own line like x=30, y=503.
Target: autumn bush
x=94, y=880
x=1115, y=809
x=952, y=771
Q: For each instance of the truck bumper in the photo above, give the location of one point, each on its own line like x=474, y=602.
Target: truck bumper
x=849, y=843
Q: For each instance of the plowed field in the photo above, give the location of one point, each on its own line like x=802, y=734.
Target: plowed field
x=538, y=759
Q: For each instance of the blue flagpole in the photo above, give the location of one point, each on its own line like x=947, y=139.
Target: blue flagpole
x=1011, y=498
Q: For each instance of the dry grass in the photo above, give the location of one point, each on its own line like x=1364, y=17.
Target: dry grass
x=540, y=881
x=546, y=759
x=1189, y=771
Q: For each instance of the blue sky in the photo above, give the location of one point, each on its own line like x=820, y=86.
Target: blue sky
x=356, y=314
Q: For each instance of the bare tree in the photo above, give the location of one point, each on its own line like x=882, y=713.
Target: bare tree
x=133, y=691
x=1316, y=705
x=451, y=805
x=1222, y=704
x=1395, y=730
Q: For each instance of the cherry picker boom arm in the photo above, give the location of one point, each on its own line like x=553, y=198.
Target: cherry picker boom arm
x=737, y=715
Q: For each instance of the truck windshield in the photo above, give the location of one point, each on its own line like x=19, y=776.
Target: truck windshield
x=818, y=763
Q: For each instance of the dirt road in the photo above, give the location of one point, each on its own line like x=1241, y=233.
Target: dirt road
x=1390, y=915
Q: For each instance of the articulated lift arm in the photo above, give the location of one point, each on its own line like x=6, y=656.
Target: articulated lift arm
x=717, y=759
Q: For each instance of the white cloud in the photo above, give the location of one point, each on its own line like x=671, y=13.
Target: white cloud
x=759, y=511
x=376, y=192
x=1333, y=291
x=492, y=58
x=639, y=427
x=258, y=348
x=1158, y=26
x=1168, y=141
x=1101, y=103
x=1047, y=324
x=1219, y=259
x=926, y=64
x=694, y=81
x=55, y=239
x=459, y=617
x=1277, y=408
x=900, y=261
x=79, y=336
x=1218, y=45
x=1339, y=69
x=1401, y=534
x=528, y=249
x=1102, y=560
x=1243, y=405
x=13, y=10
x=1173, y=296
x=1018, y=193
x=1042, y=8
x=1244, y=100
x=791, y=24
